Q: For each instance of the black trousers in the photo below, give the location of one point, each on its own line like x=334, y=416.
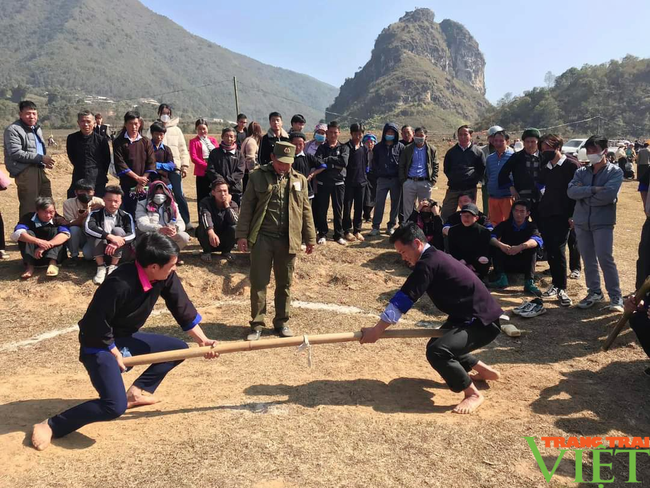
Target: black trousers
x=643, y=261
x=450, y=354
x=226, y=237
x=353, y=195
x=640, y=324
x=2, y=234
x=555, y=232
x=574, y=252
x=202, y=190
x=337, y=194
x=524, y=262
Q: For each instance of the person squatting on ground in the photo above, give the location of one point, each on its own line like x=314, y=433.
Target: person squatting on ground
x=40, y=239
x=473, y=320
x=218, y=216
x=275, y=219
x=75, y=212
x=469, y=243
x=111, y=327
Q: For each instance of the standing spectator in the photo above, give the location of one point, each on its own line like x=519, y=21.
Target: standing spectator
x=89, y=154
x=159, y=213
x=418, y=171
x=275, y=220
x=522, y=170
x=620, y=156
x=469, y=243
x=26, y=158
x=298, y=123
x=100, y=128
x=175, y=140
x=516, y=241
x=500, y=201
x=40, y=239
x=595, y=189
x=225, y=161
x=355, y=184
x=4, y=184
x=276, y=133
x=250, y=149
x=240, y=129
x=369, y=141
x=487, y=150
x=305, y=164
x=75, y=212
x=134, y=161
x=217, y=222
x=320, y=132
x=385, y=166
x=111, y=230
x=575, y=264
x=555, y=212
x=643, y=160
x=407, y=135
x=331, y=184
x=200, y=148
x=464, y=166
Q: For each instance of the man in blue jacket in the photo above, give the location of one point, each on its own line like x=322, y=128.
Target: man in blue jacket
x=385, y=166
x=595, y=189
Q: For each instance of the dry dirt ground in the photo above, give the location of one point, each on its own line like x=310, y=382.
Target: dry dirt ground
x=363, y=416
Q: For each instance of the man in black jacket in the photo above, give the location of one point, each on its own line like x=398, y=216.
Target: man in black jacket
x=385, y=167
x=555, y=211
x=100, y=128
x=473, y=320
x=218, y=216
x=464, y=166
x=276, y=133
x=331, y=183
x=305, y=164
x=110, y=330
x=525, y=168
x=89, y=154
x=355, y=184
x=225, y=161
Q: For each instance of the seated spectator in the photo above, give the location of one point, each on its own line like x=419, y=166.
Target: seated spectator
x=225, y=161
x=427, y=217
x=516, y=241
x=40, y=240
x=159, y=213
x=469, y=243
x=75, y=212
x=218, y=216
x=454, y=219
x=111, y=230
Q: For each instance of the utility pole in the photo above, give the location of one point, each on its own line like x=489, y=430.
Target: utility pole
x=234, y=80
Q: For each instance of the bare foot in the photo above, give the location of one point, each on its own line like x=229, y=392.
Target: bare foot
x=469, y=404
x=485, y=373
x=41, y=436
x=29, y=272
x=136, y=397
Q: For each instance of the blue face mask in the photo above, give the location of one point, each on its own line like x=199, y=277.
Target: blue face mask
x=319, y=137
x=390, y=137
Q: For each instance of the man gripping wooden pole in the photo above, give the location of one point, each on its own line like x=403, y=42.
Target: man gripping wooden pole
x=638, y=296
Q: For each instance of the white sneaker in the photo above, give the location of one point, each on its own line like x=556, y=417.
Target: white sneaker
x=100, y=276
x=575, y=274
x=321, y=240
x=536, y=310
x=551, y=292
x=4, y=254
x=303, y=247
x=564, y=299
x=374, y=232
x=110, y=269
x=342, y=241
x=616, y=305
x=590, y=300
x=390, y=231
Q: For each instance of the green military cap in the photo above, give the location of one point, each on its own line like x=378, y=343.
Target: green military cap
x=284, y=151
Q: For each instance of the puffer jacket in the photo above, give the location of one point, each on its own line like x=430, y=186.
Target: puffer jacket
x=595, y=210
x=175, y=140
x=147, y=216
x=20, y=147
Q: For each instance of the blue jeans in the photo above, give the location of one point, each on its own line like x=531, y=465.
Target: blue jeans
x=106, y=377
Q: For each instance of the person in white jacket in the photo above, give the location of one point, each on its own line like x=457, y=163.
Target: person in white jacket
x=159, y=213
x=175, y=140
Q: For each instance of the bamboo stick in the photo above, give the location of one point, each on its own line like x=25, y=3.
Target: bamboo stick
x=243, y=346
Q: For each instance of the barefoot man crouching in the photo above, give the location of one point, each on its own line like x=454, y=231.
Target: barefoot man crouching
x=454, y=289
x=119, y=308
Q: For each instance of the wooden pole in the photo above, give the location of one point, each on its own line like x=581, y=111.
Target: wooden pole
x=234, y=80
x=242, y=346
x=641, y=292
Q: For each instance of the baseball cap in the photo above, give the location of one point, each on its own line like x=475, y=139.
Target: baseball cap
x=470, y=208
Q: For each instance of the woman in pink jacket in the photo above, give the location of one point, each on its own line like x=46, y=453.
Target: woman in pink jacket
x=200, y=148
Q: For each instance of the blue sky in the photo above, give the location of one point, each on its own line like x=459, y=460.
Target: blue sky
x=330, y=40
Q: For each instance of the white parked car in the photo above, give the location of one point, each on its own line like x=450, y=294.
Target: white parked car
x=572, y=146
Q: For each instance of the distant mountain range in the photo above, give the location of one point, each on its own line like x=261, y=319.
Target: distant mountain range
x=122, y=50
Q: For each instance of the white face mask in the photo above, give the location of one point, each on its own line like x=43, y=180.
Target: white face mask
x=595, y=158
x=165, y=118
x=159, y=198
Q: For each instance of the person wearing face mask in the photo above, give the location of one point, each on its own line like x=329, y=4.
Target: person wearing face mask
x=595, y=189
x=418, y=171
x=554, y=212
x=320, y=132
x=369, y=141
x=89, y=154
x=159, y=213
x=75, y=212
x=274, y=221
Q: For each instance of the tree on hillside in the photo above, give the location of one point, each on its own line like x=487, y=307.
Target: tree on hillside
x=549, y=79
